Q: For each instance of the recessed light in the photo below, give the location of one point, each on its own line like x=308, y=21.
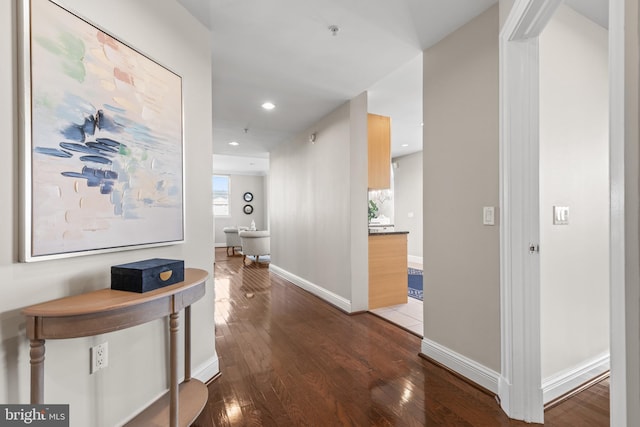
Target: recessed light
x=404, y=145
x=268, y=106
x=234, y=143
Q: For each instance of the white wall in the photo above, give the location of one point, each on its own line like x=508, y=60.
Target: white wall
x=240, y=184
x=318, y=206
x=407, y=177
x=574, y=172
x=461, y=256
x=165, y=32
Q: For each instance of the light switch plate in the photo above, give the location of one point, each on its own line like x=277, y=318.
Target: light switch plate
x=561, y=215
x=489, y=215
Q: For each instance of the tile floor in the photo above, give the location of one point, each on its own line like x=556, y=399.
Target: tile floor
x=408, y=316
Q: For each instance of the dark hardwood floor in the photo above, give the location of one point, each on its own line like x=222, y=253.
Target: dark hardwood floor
x=289, y=359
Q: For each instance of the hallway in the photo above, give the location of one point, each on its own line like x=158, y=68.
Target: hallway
x=289, y=359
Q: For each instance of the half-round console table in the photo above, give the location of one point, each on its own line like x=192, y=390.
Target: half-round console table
x=108, y=310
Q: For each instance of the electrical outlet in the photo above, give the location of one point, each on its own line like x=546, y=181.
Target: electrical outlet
x=99, y=357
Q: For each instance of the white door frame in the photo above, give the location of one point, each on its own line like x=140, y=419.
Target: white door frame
x=623, y=155
x=520, y=386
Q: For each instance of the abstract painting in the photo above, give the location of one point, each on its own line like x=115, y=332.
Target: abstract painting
x=103, y=141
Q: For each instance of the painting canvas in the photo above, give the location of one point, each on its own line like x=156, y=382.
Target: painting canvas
x=103, y=141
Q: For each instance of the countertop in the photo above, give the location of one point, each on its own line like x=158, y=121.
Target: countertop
x=384, y=233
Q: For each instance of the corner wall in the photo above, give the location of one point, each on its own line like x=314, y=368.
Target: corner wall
x=461, y=255
x=318, y=208
x=166, y=32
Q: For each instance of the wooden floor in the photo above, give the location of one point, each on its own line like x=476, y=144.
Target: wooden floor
x=289, y=359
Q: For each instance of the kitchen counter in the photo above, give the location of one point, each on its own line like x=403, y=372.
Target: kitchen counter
x=383, y=232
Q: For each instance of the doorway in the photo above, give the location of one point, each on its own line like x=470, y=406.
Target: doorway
x=520, y=382
x=399, y=96
x=574, y=202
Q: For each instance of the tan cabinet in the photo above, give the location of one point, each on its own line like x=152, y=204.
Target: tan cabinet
x=388, y=280
x=379, y=131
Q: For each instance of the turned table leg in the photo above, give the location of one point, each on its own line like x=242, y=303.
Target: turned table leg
x=173, y=361
x=37, y=371
x=187, y=343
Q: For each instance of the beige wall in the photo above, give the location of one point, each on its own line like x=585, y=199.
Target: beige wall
x=505, y=8
x=574, y=172
x=135, y=375
x=239, y=184
x=632, y=219
x=318, y=204
x=359, y=173
x=461, y=256
x=407, y=179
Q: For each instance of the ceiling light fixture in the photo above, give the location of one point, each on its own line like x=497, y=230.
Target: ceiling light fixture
x=268, y=105
x=334, y=30
x=404, y=145
x=234, y=143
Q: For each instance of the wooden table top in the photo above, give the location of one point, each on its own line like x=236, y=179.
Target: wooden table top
x=108, y=299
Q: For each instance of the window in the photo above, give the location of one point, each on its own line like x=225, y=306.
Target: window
x=221, y=195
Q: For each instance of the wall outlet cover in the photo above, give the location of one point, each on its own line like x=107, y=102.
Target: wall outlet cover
x=99, y=356
x=561, y=215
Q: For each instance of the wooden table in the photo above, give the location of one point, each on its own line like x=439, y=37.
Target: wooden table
x=108, y=310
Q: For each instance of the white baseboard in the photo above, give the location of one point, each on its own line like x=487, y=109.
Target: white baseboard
x=220, y=245
x=570, y=379
x=334, y=299
x=462, y=365
x=203, y=372
x=415, y=259
x=207, y=370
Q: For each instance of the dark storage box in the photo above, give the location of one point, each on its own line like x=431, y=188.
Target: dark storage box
x=147, y=275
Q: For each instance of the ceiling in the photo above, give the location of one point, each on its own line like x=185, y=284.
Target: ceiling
x=284, y=52
x=596, y=10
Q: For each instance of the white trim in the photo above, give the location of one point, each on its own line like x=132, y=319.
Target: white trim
x=621, y=409
x=204, y=373
x=520, y=380
x=207, y=370
x=415, y=259
x=479, y=374
x=333, y=299
x=241, y=172
x=532, y=17
x=563, y=382
x=220, y=245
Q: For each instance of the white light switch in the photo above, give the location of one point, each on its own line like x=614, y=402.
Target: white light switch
x=410, y=214
x=489, y=215
x=561, y=215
